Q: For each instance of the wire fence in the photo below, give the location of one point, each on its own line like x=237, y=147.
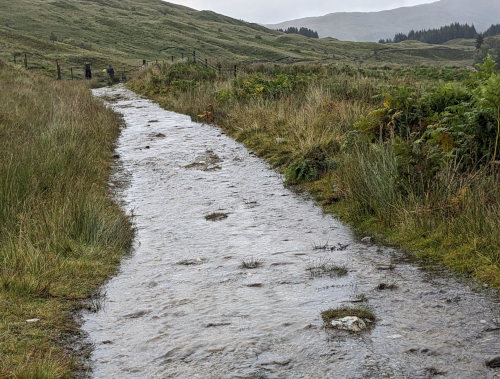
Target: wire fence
x=102, y=72
x=123, y=72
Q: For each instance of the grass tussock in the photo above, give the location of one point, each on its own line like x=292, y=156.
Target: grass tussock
x=403, y=153
x=325, y=268
x=337, y=313
x=60, y=234
x=250, y=263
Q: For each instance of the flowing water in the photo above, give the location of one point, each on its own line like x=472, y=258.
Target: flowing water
x=184, y=306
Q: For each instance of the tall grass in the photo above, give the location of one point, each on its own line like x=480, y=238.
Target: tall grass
x=309, y=133
x=60, y=233
x=459, y=228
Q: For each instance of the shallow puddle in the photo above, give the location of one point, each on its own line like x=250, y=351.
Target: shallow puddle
x=234, y=296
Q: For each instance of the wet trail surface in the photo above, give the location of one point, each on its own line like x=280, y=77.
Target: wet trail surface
x=182, y=305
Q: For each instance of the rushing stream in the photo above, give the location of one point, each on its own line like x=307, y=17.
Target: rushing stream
x=183, y=306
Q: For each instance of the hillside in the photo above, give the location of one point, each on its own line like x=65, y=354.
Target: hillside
x=124, y=32
x=372, y=26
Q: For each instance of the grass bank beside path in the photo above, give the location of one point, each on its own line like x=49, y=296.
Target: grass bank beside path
x=61, y=235
x=401, y=154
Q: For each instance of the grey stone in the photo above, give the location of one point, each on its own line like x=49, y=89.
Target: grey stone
x=350, y=323
x=494, y=362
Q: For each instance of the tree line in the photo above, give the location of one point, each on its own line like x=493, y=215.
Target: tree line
x=302, y=31
x=444, y=34
x=436, y=36
x=493, y=30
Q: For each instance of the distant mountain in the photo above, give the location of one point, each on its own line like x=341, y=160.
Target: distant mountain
x=372, y=26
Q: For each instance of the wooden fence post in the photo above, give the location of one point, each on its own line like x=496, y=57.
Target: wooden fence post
x=59, y=76
x=88, y=71
x=219, y=68
x=25, y=61
x=144, y=63
x=15, y=59
x=206, y=62
x=172, y=57
x=235, y=71
x=194, y=56
x=71, y=69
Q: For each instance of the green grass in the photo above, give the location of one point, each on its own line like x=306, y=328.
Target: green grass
x=60, y=234
x=124, y=32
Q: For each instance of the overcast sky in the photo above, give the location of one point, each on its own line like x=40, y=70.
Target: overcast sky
x=274, y=11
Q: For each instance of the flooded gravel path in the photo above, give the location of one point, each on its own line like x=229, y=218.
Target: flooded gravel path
x=183, y=306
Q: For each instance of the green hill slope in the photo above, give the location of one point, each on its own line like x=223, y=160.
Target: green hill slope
x=124, y=32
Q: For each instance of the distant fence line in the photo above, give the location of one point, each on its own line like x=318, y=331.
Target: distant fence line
x=122, y=73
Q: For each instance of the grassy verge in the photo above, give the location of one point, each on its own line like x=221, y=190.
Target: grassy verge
x=60, y=233
x=399, y=153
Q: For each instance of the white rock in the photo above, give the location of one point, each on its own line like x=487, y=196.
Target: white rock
x=32, y=320
x=351, y=323
x=366, y=239
x=279, y=140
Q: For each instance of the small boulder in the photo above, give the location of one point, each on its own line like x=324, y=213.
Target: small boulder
x=350, y=323
x=366, y=240
x=494, y=362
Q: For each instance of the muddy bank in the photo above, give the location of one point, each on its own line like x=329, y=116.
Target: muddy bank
x=192, y=301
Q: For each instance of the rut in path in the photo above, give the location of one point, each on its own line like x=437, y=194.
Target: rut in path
x=225, y=278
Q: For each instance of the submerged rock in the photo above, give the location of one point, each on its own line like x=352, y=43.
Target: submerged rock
x=216, y=216
x=494, y=362
x=136, y=314
x=350, y=323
